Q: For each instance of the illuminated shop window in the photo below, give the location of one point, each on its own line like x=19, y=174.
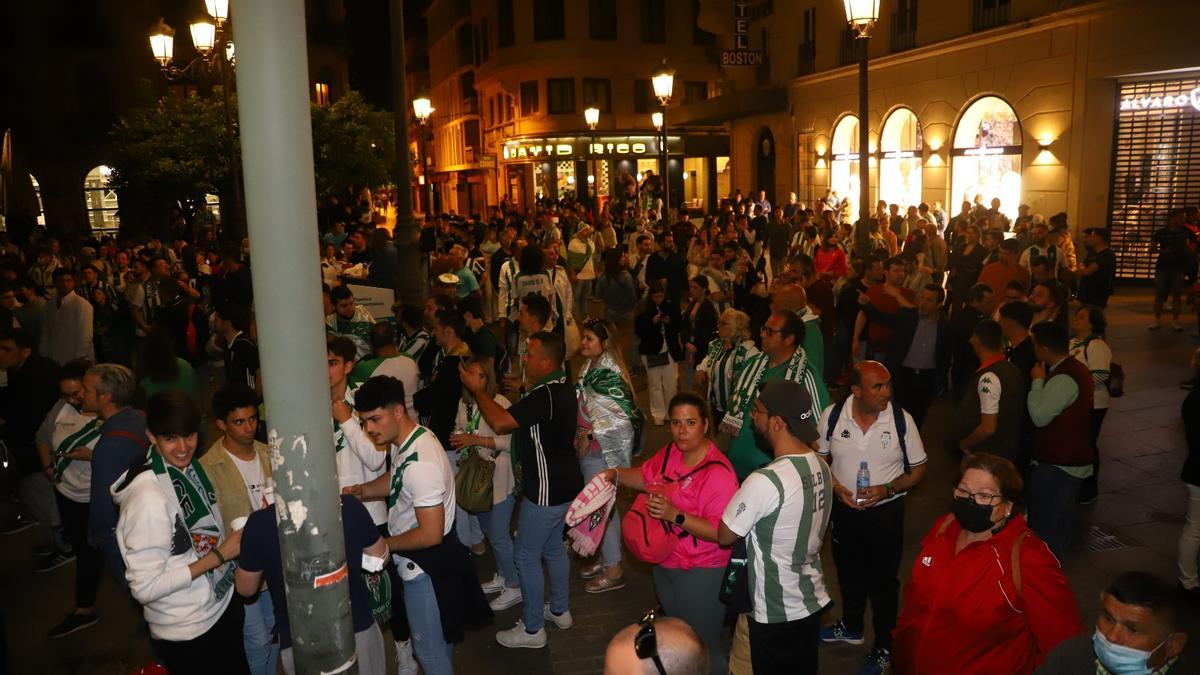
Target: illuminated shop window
x=100, y=200
x=987, y=156
x=900, y=159
x=843, y=172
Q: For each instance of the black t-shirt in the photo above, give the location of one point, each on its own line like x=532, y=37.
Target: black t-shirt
x=545, y=443
x=260, y=553
x=241, y=361
x=1174, y=253
x=1095, y=288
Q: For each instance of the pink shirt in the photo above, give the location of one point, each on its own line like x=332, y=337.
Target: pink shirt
x=703, y=494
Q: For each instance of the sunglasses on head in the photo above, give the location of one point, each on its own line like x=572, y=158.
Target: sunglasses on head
x=645, y=643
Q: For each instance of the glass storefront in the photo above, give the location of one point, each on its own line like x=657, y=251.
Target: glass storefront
x=987, y=156
x=843, y=172
x=900, y=159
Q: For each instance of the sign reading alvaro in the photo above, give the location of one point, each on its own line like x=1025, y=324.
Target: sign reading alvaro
x=1167, y=102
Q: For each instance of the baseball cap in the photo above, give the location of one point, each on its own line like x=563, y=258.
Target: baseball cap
x=790, y=400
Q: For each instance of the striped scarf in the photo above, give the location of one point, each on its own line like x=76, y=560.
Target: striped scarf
x=415, y=346
x=197, y=501
x=725, y=363
x=610, y=407
x=746, y=390
x=80, y=439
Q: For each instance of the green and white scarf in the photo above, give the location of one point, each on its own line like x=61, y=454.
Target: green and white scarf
x=197, y=501
x=397, y=482
x=339, y=436
x=609, y=404
x=746, y=390
x=415, y=346
x=724, y=366
x=80, y=439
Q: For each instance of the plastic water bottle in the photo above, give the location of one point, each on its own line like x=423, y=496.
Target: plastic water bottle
x=861, y=485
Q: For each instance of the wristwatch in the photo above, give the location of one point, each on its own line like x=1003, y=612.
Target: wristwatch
x=679, y=518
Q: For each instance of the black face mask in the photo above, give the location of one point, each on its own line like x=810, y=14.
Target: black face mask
x=971, y=516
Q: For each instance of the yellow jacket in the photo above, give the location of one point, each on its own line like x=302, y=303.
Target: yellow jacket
x=232, y=498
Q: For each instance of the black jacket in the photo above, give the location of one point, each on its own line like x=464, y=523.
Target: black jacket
x=461, y=602
x=651, y=335
x=437, y=402
x=671, y=267
x=31, y=392
x=700, y=331
x=904, y=322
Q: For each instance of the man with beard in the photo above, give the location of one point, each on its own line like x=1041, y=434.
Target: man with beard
x=782, y=510
x=866, y=431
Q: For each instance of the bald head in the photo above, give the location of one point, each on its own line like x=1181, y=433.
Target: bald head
x=871, y=385
x=790, y=297
x=679, y=649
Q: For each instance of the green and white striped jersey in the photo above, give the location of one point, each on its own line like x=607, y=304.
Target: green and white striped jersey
x=783, y=511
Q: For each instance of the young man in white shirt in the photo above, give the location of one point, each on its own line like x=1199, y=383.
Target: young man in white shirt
x=420, y=498
x=239, y=469
x=868, y=522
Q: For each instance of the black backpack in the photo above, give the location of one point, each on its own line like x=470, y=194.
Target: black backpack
x=897, y=414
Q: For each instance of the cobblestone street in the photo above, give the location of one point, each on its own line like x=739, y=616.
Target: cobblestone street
x=1134, y=524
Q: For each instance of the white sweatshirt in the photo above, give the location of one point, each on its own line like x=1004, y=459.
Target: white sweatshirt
x=176, y=606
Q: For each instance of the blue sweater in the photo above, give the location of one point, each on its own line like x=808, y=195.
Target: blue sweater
x=122, y=443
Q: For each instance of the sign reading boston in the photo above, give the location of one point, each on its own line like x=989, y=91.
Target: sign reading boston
x=1167, y=102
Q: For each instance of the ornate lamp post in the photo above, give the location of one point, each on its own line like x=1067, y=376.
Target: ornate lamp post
x=212, y=41
x=862, y=15
x=422, y=109
x=592, y=117
x=664, y=83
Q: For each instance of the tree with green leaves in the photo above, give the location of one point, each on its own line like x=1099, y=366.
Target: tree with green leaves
x=353, y=146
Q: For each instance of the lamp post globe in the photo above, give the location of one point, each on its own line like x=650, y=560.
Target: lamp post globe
x=204, y=37
x=592, y=117
x=862, y=14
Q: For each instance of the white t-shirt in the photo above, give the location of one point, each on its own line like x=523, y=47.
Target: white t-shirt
x=421, y=477
x=261, y=496
x=65, y=429
x=783, y=511
x=879, y=447
x=403, y=368
x=1097, y=356
x=988, y=389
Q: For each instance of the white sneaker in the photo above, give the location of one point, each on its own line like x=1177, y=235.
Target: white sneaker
x=1154, y=326
x=518, y=638
x=563, y=621
x=406, y=662
x=507, y=598
x=493, y=585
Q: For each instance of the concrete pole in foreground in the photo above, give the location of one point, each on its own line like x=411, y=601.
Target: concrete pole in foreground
x=277, y=160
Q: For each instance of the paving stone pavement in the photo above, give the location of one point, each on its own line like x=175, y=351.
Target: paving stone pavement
x=1140, y=509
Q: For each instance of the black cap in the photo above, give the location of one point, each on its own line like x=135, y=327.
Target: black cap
x=790, y=400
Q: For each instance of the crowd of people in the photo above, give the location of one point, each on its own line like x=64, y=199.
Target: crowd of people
x=792, y=357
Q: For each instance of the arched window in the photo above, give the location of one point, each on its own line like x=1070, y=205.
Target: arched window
x=987, y=156
x=100, y=201
x=900, y=161
x=843, y=173
x=37, y=193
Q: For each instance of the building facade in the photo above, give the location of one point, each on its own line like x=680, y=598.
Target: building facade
x=1087, y=107
x=510, y=80
x=99, y=54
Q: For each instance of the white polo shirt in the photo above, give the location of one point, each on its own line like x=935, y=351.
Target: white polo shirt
x=878, y=446
x=421, y=477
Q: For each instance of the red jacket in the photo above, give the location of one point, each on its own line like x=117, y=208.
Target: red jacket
x=962, y=614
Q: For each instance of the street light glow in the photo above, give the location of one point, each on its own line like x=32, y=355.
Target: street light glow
x=862, y=15
x=162, y=45
x=657, y=119
x=664, y=83
x=422, y=108
x=204, y=36
x=592, y=117
x=218, y=10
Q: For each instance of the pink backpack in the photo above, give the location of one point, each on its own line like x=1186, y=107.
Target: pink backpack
x=649, y=539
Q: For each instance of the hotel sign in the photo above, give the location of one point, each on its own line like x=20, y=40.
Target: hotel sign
x=741, y=54
x=1167, y=102
x=580, y=148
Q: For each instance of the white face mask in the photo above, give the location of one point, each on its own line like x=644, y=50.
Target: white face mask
x=1119, y=659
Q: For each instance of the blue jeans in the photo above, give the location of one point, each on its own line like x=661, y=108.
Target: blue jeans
x=496, y=525
x=466, y=526
x=435, y=655
x=1052, y=493
x=610, y=545
x=540, y=537
x=258, y=631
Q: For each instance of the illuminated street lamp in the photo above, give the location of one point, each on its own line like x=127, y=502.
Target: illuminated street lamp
x=656, y=118
x=592, y=117
x=664, y=83
x=862, y=15
x=218, y=10
x=422, y=110
x=204, y=37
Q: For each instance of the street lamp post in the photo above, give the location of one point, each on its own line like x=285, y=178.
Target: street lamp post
x=422, y=109
x=214, y=45
x=862, y=15
x=592, y=117
x=664, y=82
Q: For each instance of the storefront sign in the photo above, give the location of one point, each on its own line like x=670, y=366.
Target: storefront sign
x=741, y=54
x=1167, y=102
x=583, y=148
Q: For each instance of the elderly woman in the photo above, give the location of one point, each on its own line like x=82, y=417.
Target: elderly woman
x=178, y=561
x=472, y=434
x=610, y=424
x=985, y=595
x=719, y=369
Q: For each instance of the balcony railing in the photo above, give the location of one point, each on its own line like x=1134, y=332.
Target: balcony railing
x=904, y=31
x=807, y=61
x=990, y=13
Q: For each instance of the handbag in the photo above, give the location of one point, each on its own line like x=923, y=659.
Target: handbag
x=473, y=483
x=735, y=582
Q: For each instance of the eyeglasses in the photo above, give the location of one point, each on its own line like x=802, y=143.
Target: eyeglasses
x=645, y=643
x=767, y=330
x=980, y=498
